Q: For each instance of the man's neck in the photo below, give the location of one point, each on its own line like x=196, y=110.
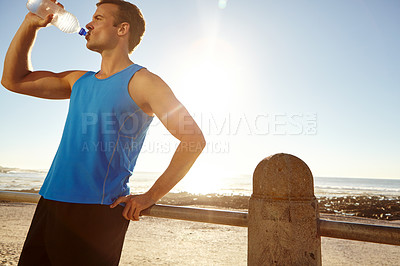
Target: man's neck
x=113, y=63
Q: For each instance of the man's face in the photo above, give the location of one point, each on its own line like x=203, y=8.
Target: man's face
x=102, y=34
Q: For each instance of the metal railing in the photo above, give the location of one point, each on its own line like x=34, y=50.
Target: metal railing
x=283, y=220
x=336, y=229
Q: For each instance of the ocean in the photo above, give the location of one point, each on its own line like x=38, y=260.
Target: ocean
x=229, y=185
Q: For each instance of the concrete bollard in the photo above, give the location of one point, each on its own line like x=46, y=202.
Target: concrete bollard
x=283, y=214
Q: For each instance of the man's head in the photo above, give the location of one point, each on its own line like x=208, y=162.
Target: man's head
x=131, y=14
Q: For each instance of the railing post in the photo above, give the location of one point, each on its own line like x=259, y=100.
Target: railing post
x=283, y=214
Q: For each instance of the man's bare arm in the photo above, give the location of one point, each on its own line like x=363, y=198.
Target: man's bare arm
x=180, y=124
x=18, y=75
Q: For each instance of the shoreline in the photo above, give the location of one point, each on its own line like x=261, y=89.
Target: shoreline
x=365, y=206
x=150, y=242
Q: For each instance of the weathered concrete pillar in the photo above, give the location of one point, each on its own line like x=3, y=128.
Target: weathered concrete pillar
x=283, y=214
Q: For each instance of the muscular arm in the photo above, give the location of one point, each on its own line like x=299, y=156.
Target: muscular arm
x=18, y=75
x=181, y=125
x=161, y=101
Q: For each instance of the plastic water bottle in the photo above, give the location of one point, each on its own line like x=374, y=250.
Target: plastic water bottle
x=62, y=19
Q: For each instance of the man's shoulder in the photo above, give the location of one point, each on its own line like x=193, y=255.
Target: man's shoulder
x=73, y=75
x=145, y=80
x=144, y=75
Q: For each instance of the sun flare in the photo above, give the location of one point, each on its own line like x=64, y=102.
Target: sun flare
x=204, y=181
x=211, y=73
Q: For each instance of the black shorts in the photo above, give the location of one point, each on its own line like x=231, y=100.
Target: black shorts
x=74, y=234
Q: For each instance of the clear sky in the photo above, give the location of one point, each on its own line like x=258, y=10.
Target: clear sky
x=316, y=79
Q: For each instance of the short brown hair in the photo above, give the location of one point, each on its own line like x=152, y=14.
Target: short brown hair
x=130, y=13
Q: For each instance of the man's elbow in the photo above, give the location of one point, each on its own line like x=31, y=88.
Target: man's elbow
x=12, y=86
x=194, y=143
x=7, y=84
x=200, y=142
x=4, y=82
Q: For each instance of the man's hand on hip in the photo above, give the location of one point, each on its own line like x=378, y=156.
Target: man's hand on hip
x=134, y=205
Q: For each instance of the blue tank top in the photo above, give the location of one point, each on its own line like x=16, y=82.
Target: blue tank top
x=102, y=138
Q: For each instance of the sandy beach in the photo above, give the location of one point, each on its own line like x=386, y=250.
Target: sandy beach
x=156, y=241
